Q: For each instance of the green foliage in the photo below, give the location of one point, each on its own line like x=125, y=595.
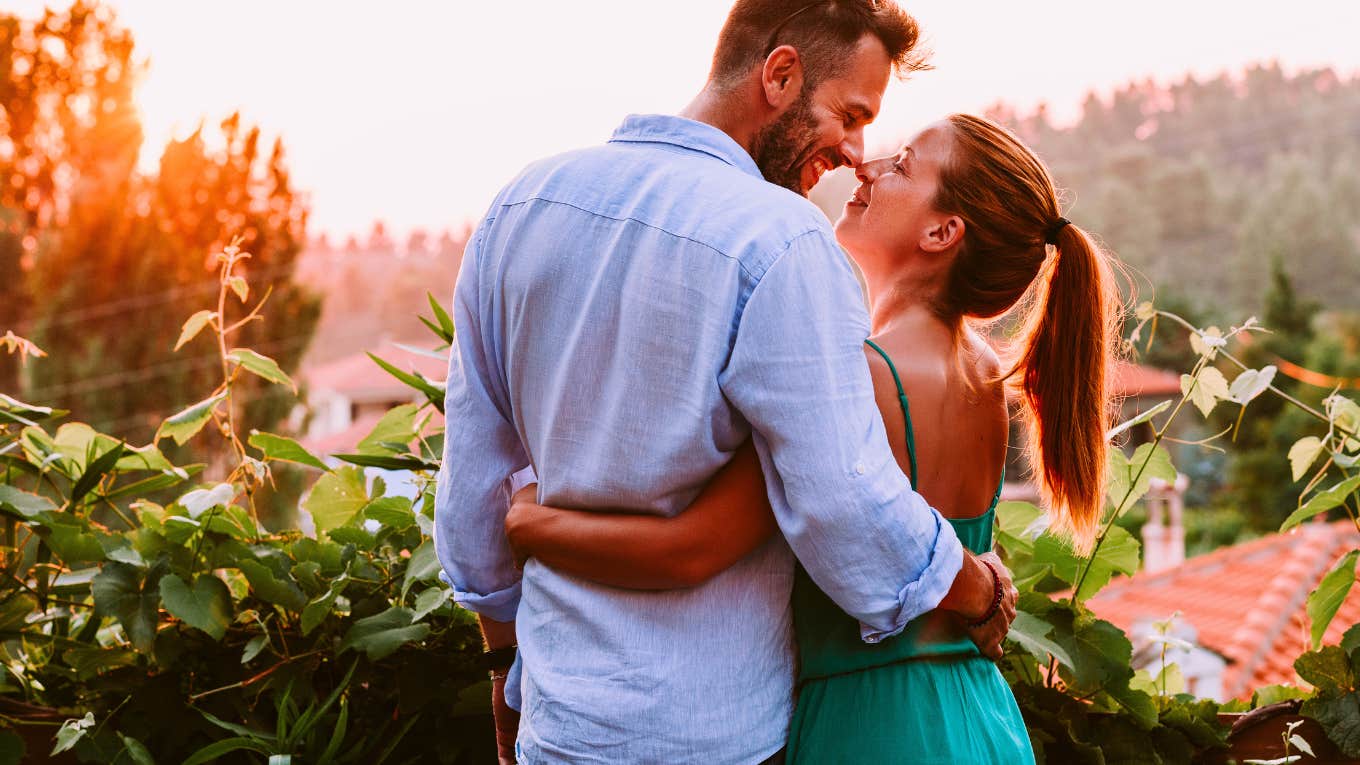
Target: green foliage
x=1071, y=672
x=188, y=631
x=1323, y=501
x=381, y=634
x=260, y=365
x=434, y=394
x=103, y=258
x=1335, y=703
x=186, y=424
x=206, y=605
x=1060, y=652
x=336, y=498
x=284, y=449
x=1324, y=601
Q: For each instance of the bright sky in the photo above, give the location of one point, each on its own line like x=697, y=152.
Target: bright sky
x=417, y=112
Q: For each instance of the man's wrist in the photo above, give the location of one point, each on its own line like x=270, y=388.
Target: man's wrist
x=497, y=634
x=997, y=594
x=498, y=661
x=971, y=594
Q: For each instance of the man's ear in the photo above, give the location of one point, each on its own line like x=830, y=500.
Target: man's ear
x=943, y=234
x=782, y=77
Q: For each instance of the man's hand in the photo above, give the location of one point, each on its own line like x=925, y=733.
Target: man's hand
x=507, y=721
x=501, y=635
x=989, y=635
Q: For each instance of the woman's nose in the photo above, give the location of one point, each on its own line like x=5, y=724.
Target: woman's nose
x=868, y=172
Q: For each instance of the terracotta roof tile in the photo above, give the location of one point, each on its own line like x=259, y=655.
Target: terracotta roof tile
x=1138, y=380
x=357, y=376
x=1247, y=602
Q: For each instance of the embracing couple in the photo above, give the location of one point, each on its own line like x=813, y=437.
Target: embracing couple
x=758, y=523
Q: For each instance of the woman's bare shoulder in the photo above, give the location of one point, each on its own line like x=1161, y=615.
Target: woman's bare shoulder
x=987, y=361
x=880, y=373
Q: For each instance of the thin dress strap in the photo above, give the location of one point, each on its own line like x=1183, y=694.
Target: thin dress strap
x=906, y=411
x=999, y=486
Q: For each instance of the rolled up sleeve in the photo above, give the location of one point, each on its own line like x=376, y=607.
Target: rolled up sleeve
x=798, y=374
x=482, y=449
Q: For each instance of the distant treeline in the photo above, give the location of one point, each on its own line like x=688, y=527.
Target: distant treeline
x=1199, y=185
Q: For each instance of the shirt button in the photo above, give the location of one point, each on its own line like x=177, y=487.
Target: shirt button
x=859, y=468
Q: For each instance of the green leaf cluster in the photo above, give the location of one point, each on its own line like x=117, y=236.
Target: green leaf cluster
x=1333, y=672
x=188, y=631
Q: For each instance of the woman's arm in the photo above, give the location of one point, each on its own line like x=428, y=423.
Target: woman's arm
x=730, y=518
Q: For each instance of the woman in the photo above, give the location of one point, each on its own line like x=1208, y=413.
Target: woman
x=956, y=228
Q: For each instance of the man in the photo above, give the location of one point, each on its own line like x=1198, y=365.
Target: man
x=627, y=316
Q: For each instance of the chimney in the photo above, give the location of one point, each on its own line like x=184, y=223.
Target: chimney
x=1164, y=532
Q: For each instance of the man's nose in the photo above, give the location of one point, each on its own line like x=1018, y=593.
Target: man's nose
x=851, y=149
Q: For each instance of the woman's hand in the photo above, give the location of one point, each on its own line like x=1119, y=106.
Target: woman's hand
x=524, y=511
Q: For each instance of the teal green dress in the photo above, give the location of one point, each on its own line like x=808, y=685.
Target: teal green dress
x=926, y=696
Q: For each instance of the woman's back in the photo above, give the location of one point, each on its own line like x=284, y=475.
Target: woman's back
x=927, y=694
x=948, y=416
x=958, y=411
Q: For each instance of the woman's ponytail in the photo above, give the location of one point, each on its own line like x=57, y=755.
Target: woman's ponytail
x=1061, y=366
x=1066, y=343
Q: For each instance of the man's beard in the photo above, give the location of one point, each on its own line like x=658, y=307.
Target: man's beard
x=778, y=146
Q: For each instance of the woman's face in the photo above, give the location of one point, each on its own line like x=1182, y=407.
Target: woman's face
x=893, y=209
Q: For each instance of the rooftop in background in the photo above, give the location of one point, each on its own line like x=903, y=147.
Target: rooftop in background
x=1247, y=602
x=358, y=377
x=348, y=396
x=1135, y=380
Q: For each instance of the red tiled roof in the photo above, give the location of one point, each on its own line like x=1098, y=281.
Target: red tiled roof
x=358, y=376
x=1247, y=602
x=1137, y=380
x=345, y=440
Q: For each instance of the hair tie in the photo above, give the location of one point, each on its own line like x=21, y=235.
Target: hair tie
x=1051, y=235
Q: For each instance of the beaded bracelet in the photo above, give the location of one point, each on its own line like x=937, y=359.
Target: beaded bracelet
x=996, y=598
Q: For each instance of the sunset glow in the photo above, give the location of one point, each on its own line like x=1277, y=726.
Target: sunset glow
x=416, y=112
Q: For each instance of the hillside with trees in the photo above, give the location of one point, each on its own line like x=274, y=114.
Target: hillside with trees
x=1225, y=198
x=100, y=260
x=1200, y=184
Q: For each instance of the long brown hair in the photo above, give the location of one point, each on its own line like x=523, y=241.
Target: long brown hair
x=1061, y=358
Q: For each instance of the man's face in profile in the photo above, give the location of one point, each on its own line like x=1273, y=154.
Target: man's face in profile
x=824, y=128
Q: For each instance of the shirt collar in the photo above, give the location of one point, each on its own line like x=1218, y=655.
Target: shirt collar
x=688, y=134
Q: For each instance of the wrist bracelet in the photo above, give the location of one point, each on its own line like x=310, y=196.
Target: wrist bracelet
x=996, y=598
x=499, y=659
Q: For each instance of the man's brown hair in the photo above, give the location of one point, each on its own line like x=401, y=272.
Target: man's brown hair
x=823, y=32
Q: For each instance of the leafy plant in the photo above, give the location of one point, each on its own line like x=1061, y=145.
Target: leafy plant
x=1335, y=703
x=1071, y=672
x=187, y=631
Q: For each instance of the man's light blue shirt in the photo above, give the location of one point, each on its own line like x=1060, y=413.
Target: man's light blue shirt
x=627, y=316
